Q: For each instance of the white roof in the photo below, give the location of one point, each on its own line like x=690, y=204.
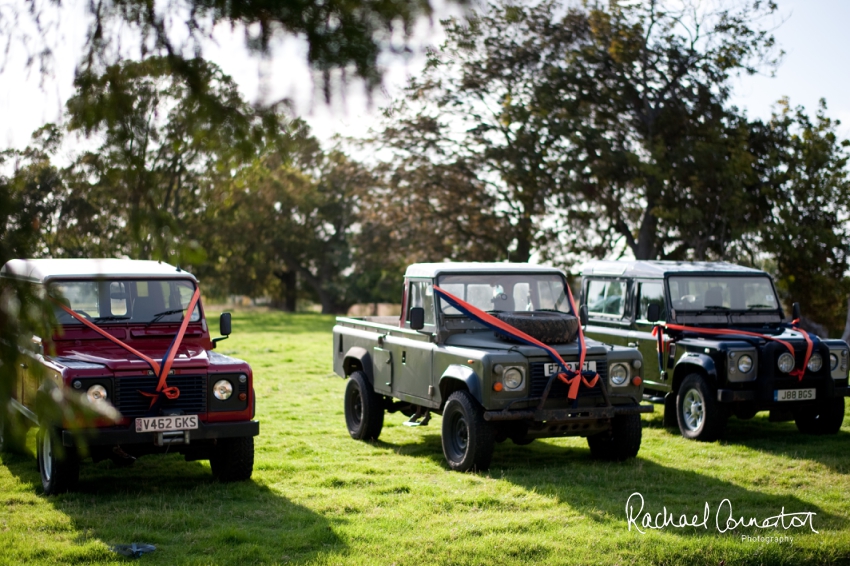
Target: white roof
x=433, y=269
x=41, y=270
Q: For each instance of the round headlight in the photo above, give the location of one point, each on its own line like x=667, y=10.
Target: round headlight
x=222, y=390
x=785, y=363
x=96, y=393
x=833, y=362
x=815, y=362
x=745, y=363
x=512, y=378
x=619, y=374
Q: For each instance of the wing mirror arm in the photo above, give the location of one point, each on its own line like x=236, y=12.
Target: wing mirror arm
x=582, y=315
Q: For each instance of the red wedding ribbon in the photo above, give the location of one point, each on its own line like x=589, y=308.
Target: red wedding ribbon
x=160, y=370
x=798, y=373
x=568, y=376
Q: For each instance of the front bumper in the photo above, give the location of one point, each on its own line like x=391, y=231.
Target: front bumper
x=584, y=414
x=735, y=396
x=127, y=435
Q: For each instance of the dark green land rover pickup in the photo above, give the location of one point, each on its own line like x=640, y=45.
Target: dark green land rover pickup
x=435, y=358
x=725, y=348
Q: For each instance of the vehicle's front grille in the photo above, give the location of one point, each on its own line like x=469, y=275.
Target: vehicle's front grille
x=560, y=389
x=131, y=403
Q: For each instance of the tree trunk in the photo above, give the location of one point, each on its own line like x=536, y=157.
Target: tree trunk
x=523, y=241
x=289, y=279
x=846, y=335
x=646, y=236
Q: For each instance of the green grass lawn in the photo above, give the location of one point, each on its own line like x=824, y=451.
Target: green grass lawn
x=317, y=496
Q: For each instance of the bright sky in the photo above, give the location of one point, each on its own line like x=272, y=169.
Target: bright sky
x=815, y=66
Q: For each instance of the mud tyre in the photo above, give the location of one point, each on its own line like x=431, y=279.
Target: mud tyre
x=620, y=443
x=58, y=465
x=364, y=412
x=468, y=440
x=548, y=327
x=824, y=418
x=697, y=411
x=233, y=459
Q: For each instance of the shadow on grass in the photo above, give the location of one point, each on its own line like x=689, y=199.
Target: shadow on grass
x=778, y=439
x=600, y=490
x=179, y=507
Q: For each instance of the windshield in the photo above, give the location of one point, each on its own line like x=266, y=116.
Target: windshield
x=123, y=300
x=500, y=292
x=722, y=293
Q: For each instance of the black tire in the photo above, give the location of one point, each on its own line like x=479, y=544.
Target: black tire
x=824, y=418
x=548, y=327
x=364, y=411
x=232, y=459
x=697, y=411
x=13, y=433
x=619, y=443
x=58, y=465
x=468, y=440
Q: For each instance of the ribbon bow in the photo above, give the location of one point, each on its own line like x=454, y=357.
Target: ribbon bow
x=570, y=377
x=658, y=331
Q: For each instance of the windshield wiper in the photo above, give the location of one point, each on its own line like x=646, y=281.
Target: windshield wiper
x=159, y=315
x=103, y=318
x=754, y=307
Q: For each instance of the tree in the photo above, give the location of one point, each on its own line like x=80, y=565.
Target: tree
x=290, y=218
x=163, y=147
x=593, y=125
x=806, y=226
x=475, y=115
x=343, y=38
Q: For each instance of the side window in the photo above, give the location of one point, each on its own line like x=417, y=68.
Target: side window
x=651, y=294
x=421, y=294
x=607, y=298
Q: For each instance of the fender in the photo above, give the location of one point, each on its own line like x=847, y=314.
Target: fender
x=359, y=355
x=466, y=375
x=691, y=361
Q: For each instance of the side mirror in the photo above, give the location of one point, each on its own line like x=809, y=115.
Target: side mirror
x=582, y=315
x=795, y=311
x=416, y=318
x=653, y=312
x=224, y=324
x=224, y=328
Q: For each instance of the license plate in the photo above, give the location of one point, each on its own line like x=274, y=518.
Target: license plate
x=550, y=369
x=793, y=394
x=165, y=424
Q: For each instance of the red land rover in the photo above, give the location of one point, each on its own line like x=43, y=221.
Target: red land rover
x=131, y=334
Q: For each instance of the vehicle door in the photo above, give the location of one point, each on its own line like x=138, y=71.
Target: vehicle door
x=609, y=310
x=412, y=351
x=649, y=292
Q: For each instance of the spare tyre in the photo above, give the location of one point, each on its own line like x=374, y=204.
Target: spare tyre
x=547, y=326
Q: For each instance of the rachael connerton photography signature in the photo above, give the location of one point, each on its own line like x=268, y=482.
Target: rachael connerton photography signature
x=724, y=518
